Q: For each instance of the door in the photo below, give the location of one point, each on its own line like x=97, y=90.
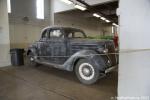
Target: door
x=42, y=45
x=56, y=48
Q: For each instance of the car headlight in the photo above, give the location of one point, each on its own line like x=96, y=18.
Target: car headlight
x=105, y=51
x=102, y=50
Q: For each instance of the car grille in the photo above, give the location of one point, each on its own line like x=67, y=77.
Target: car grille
x=111, y=50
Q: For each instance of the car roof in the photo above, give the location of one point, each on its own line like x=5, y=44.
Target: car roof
x=64, y=28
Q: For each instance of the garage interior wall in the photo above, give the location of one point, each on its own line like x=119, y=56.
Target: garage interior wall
x=22, y=31
x=134, y=67
x=91, y=26
x=4, y=35
x=59, y=6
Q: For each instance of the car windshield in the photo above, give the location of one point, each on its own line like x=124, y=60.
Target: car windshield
x=75, y=34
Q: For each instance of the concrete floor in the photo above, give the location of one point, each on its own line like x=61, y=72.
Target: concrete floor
x=45, y=83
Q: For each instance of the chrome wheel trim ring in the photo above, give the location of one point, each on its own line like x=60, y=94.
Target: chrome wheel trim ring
x=90, y=68
x=31, y=59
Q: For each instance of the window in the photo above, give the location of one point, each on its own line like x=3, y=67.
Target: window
x=9, y=6
x=40, y=9
x=56, y=33
x=45, y=34
x=76, y=34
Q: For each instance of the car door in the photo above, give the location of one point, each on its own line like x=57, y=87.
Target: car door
x=42, y=45
x=75, y=39
x=56, y=49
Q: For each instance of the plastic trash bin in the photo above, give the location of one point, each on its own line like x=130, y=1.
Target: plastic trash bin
x=17, y=58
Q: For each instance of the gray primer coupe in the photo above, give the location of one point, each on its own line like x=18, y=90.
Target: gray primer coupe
x=70, y=49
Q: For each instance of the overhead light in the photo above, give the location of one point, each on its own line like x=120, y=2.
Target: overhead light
x=96, y=15
x=103, y=18
x=40, y=9
x=67, y=1
x=9, y=6
x=80, y=7
x=115, y=24
x=108, y=21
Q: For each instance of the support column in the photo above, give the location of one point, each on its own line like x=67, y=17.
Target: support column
x=134, y=68
x=4, y=35
x=52, y=13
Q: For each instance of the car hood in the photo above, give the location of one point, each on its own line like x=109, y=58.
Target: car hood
x=88, y=42
x=91, y=44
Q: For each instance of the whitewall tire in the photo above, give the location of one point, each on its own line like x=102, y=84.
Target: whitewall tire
x=86, y=72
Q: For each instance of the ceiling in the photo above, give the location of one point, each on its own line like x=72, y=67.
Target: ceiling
x=107, y=10
x=96, y=2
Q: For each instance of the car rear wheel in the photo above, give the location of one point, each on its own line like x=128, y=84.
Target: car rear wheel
x=86, y=72
x=31, y=60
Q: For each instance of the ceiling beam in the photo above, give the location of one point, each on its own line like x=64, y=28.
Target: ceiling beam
x=84, y=3
x=93, y=9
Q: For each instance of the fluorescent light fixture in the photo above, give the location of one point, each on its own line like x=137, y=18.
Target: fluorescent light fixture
x=96, y=15
x=67, y=2
x=103, y=18
x=108, y=21
x=115, y=24
x=9, y=6
x=112, y=29
x=80, y=7
x=40, y=9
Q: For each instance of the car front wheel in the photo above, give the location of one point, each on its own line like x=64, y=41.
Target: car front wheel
x=86, y=72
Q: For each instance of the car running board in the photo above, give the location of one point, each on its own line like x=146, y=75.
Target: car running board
x=49, y=64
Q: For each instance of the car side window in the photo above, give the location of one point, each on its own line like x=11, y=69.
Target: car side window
x=56, y=33
x=70, y=35
x=76, y=35
x=45, y=34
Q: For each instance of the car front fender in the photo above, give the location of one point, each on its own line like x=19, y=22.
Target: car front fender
x=92, y=57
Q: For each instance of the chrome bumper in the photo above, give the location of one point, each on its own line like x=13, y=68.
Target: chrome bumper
x=111, y=69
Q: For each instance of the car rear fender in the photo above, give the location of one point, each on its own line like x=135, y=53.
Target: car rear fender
x=33, y=50
x=91, y=55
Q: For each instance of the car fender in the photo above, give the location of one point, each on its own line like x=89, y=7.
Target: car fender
x=91, y=55
x=33, y=50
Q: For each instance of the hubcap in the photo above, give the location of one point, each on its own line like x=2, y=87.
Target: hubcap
x=31, y=59
x=86, y=71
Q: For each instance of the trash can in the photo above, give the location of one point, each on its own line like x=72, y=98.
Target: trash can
x=17, y=58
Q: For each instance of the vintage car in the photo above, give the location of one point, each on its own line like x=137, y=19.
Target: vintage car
x=69, y=49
